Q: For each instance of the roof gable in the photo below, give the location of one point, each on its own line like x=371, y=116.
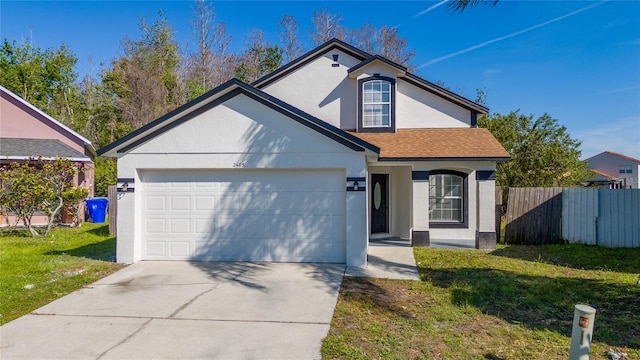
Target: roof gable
x=307, y=58
x=617, y=155
x=222, y=93
x=367, y=60
x=52, y=122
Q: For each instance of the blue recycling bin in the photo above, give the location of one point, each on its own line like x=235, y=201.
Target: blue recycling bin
x=97, y=209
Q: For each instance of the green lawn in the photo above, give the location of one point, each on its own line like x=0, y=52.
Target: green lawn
x=36, y=271
x=513, y=303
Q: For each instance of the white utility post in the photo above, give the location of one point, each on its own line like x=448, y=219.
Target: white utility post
x=582, y=332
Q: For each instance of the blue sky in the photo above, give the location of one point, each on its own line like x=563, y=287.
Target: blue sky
x=579, y=61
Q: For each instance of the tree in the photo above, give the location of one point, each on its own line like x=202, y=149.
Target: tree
x=259, y=59
x=393, y=47
x=542, y=152
x=326, y=26
x=211, y=64
x=44, y=78
x=38, y=185
x=384, y=41
x=461, y=5
x=291, y=44
x=144, y=83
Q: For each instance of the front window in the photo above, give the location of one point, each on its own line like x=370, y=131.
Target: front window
x=625, y=169
x=376, y=103
x=446, y=192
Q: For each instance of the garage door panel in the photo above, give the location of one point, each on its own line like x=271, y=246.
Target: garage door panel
x=180, y=226
x=204, y=203
x=155, y=249
x=204, y=226
x=155, y=203
x=242, y=216
x=155, y=226
x=180, y=249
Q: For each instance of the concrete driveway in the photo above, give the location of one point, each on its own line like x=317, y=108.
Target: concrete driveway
x=185, y=310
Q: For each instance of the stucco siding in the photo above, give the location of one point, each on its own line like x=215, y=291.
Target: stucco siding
x=416, y=108
x=240, y=126
x=321, y=90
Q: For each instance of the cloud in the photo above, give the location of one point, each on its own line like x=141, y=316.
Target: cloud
x=432, y=7
x=489, y=42
x=632, y=42
x=620, y=135
x=630, y=88
x=492, y=71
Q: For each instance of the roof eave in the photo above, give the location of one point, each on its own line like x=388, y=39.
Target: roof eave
x=448, y=94
x=122, y=144
x=292, y=65
x=112, y=149
x=358, y=69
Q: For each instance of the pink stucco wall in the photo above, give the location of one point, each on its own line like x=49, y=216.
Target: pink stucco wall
x=20, y=121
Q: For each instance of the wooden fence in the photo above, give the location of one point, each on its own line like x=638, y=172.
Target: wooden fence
x=604, y=217
x=112, y=195
x=534, y=216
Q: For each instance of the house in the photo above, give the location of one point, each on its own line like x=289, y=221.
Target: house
x=615, y=171
x=26, y=131
x=305, y=164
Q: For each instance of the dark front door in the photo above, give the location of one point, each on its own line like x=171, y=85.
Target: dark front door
x=379, y=203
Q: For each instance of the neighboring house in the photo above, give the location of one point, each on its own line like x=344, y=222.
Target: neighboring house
x=26, y=131
x=305, y=164
x=615, y=171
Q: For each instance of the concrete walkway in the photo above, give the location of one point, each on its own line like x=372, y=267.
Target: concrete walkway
x=390, y=258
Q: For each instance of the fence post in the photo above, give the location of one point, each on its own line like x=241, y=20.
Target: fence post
x=112, y=195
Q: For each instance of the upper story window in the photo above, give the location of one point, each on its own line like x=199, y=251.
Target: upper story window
x=625, y=169
x=376, y=103
x=376, y=100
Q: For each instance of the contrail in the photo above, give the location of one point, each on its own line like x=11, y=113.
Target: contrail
x=430, y=8
x=431, y=62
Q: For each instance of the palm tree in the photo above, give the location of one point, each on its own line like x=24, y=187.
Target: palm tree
x=461, y=5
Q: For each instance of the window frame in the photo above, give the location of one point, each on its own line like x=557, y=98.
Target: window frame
x=625, y=169
x=464, y=223
x=392, y=107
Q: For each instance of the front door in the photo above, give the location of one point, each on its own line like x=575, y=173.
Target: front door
x=379, y=203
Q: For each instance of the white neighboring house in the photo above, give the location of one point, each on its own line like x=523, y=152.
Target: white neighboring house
x=615, y=170
x=305, y=164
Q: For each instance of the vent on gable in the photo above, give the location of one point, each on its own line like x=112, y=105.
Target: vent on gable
x=335, y=60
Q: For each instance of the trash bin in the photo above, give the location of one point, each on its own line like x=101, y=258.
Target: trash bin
x=97, y=209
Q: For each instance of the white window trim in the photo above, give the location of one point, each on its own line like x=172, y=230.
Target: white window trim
x=382, y=103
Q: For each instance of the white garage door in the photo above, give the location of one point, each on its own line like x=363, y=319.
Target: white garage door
x=296, y=216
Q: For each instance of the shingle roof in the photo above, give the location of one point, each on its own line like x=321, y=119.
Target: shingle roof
x=15, y=148
x=437, y=144
x=602, y=174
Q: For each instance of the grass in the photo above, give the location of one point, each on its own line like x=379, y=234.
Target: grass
x=516, y=302
x=36, y=271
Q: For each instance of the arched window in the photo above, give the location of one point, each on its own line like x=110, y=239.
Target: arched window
x=376, y=97
x=447, y=198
